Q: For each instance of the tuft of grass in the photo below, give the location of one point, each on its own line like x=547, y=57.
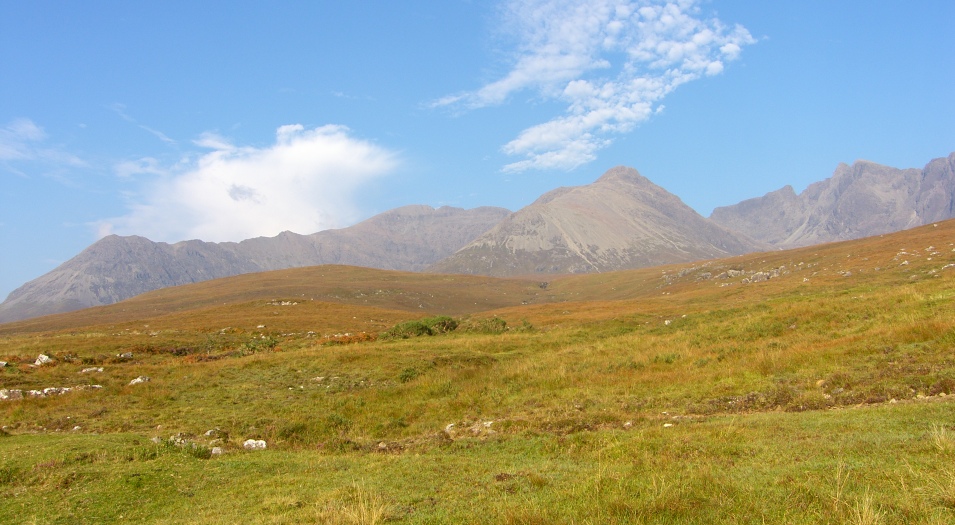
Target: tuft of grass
x=358, y=506
x=866, y=512
x=943, y=439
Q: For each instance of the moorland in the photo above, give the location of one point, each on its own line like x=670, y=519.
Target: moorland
x=812, y=385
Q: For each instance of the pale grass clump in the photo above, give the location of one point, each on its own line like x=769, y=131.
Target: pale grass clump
x=842, y=477
x=942, y=488
x=866, y=512
x=943, y=440
x=357, y=507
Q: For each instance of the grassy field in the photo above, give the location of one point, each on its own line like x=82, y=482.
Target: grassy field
x=805, y=386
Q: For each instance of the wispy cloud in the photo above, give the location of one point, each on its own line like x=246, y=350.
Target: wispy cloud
x=22, y=140
x=305, y=182
x=611, y=62
x=120, y=109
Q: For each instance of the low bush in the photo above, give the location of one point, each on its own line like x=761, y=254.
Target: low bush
x=428, y=326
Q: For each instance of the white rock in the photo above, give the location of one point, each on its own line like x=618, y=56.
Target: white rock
x=138, y=380
x=10, y=395
x=667, y=425
x=43, y=359
x=217, y=451
x=254, y=444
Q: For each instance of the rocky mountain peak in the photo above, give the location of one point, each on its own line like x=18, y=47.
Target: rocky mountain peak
x=859, y=200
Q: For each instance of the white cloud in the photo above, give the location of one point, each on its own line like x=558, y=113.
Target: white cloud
x=611, y=61
x=305, y=182
x=145, y=165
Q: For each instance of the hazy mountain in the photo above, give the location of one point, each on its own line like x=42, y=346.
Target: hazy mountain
x=857, y=201
x=620, y=221
x=115, y=268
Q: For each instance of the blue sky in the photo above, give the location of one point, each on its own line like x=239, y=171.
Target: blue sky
x=230, y=120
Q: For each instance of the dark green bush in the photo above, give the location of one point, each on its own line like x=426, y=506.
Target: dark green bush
x=427, y=326
x=493, y=325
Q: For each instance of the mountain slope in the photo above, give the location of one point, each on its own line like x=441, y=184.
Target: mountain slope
x=115, y=268
x=620, y=221
x=857, y=201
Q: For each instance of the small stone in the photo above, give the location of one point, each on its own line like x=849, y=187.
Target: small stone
x=91, y=369
x=628, y=424
x=43, y=359
x=138, y=380
x=180, y=439
x=77, y=427
x=156, y=439
x=217, y=451
x=3, y=364
x=125, y=355
x=667, y=425
x=893, y=401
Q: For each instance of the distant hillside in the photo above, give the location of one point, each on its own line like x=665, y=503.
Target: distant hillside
x=115, y=268
x=857, y=201
x=620, y=221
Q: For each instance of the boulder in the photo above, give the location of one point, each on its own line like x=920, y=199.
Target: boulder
x=254, y=444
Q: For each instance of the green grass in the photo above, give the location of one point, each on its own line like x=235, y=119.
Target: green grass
x=649, y=396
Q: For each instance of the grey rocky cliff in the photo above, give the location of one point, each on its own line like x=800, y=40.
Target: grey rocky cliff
x=860, y=200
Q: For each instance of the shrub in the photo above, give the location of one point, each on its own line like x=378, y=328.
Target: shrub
x=408, y=374
x=492, y=325
x=427, y=326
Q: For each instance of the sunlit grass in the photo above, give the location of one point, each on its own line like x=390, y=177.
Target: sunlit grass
x=630, y=397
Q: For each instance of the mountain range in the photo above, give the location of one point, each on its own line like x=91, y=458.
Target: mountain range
x=620, y=221
x=116, y=268
x=860, y=200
